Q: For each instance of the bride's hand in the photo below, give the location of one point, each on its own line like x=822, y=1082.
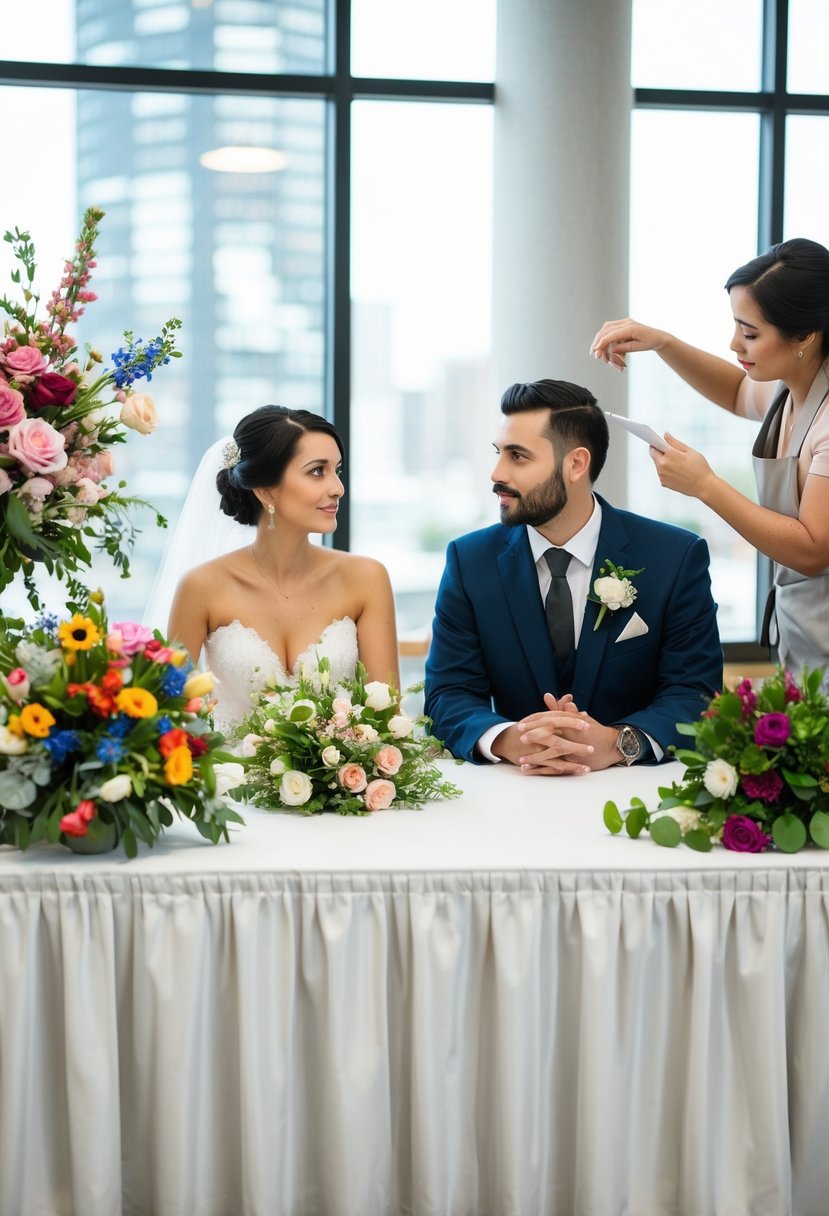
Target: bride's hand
x=616, y=339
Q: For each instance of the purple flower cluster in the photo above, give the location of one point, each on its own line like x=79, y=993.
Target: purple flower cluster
x=747, y=696
x=765, y=786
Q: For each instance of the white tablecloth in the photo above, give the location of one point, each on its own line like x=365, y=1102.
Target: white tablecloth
x=486, y=1006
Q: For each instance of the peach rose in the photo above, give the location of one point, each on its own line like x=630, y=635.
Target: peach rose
x=388, y=760
x=139, y=413
x=379, y=794
x=352, y=778
x=37, y=446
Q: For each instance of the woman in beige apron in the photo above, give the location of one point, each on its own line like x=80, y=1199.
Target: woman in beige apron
x=780, y=302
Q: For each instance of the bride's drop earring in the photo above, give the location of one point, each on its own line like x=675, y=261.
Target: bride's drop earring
x=270, y=515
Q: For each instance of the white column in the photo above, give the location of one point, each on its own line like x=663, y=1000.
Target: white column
x=561, y=195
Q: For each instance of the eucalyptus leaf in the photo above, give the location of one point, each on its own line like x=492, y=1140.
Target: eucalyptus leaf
x=16, y=791
x=612, y=819
x=665, y=831
x=698, y=839
x=636, y=821
x=819, y=829
x=789, y=833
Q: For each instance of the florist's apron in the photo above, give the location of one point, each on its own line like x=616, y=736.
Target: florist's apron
x=797, y=612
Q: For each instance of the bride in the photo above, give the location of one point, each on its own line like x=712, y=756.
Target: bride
x=279, y=602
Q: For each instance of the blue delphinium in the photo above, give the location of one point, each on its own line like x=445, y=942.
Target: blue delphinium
x=61, y=743
x=109, y=749
x=174, y=680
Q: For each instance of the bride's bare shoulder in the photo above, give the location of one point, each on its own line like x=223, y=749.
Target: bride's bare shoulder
x=359, y=570
x=209, y=574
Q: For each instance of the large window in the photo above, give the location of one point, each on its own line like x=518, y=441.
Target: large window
x=377, y=121
x=729, y=155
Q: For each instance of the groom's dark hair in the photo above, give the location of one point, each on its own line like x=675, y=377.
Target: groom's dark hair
x=574, y=419
x=266, y=442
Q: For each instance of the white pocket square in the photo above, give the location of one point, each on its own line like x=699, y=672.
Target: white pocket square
x=635, y=628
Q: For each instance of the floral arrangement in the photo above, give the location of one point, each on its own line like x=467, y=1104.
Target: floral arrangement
x=613, y=589
x=104, y=733
x=345, y=748
x=758, y=776
x=56, y=428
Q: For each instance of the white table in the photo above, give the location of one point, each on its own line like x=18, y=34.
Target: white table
x=488, y=1006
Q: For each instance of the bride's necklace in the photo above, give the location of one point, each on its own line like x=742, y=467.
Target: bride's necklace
x=285, y=594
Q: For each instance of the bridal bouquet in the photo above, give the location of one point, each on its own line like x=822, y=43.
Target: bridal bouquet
x=57, y=424
x=104, y=734
x=345, y=748
x=757, y=777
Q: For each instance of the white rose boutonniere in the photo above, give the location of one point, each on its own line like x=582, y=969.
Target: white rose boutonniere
x=613, y=589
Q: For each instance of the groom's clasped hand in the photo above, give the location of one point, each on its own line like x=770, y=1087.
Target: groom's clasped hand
x=561, y=739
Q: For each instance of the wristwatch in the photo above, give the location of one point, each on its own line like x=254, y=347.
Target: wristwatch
x=629, y=745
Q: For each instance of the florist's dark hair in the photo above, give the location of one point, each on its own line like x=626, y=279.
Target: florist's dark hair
x=574, y=419
x=790, y=285
x=267, y=440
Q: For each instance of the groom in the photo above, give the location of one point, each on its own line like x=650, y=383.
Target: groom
x=524, y=666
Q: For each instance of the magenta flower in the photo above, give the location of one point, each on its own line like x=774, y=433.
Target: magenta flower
x=792, y=692
x=748, y=697
x=765, y=786
x=744, y=835
x=772, y=730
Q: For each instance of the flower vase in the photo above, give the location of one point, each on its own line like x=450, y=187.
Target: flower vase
x=104, y=840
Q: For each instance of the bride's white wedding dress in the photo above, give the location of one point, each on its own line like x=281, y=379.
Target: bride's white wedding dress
x=243, y=663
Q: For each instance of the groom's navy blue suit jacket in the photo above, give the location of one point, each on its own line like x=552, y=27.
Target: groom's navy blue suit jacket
x=491, y=658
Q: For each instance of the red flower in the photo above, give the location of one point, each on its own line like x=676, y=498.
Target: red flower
x=52, y=389
x=113, y=681
x=76, y=823
x=99, y=700
x=171, y=740
x=197, y=745
x=152, y=648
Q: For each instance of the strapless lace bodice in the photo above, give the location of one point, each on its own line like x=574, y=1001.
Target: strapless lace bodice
x=243, y=663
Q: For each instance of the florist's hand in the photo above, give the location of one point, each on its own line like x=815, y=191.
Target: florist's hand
x=552, y=748
x=615, y=339
x=682, y=468
x=578, y=732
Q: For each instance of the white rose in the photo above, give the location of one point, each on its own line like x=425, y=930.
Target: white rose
x=278, y=766
x=330, y=757
x=295, y=788
x=378, y=695
x=116, y=788
x=615, y=593
x=687, y=818
x=270, y=726
x=720, y=779
x=249, y=745
x=10, y=743
x=400, y=726
x=365, y=733
x=139, y=413
x=228, y=775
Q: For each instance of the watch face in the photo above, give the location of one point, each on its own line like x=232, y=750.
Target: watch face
x=628, y=743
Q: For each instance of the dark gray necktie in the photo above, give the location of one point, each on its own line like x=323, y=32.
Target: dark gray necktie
x=558, y=605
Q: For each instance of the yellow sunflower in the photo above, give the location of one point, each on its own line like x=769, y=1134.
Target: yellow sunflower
x=78, y=634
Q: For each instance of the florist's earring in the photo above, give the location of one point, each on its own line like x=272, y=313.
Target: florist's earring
x=270, y=517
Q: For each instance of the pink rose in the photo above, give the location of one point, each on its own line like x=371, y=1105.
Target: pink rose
x=115, y=642
x=99, y=466
x=52, y=389
x=37, y=446
x=5, y=482
x=379, y=794
x=139, y=413
x=12, y=409
x=25, y=363
x=134, y=637
x=341, y=705
x=388, y=760
x=17, y=684
x=352, y=778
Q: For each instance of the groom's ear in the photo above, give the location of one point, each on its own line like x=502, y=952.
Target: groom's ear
x=577, y=465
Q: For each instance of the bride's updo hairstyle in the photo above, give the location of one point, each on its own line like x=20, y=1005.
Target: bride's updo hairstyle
x=265, y=444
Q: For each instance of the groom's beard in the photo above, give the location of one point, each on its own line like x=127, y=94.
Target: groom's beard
x=538, y=506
